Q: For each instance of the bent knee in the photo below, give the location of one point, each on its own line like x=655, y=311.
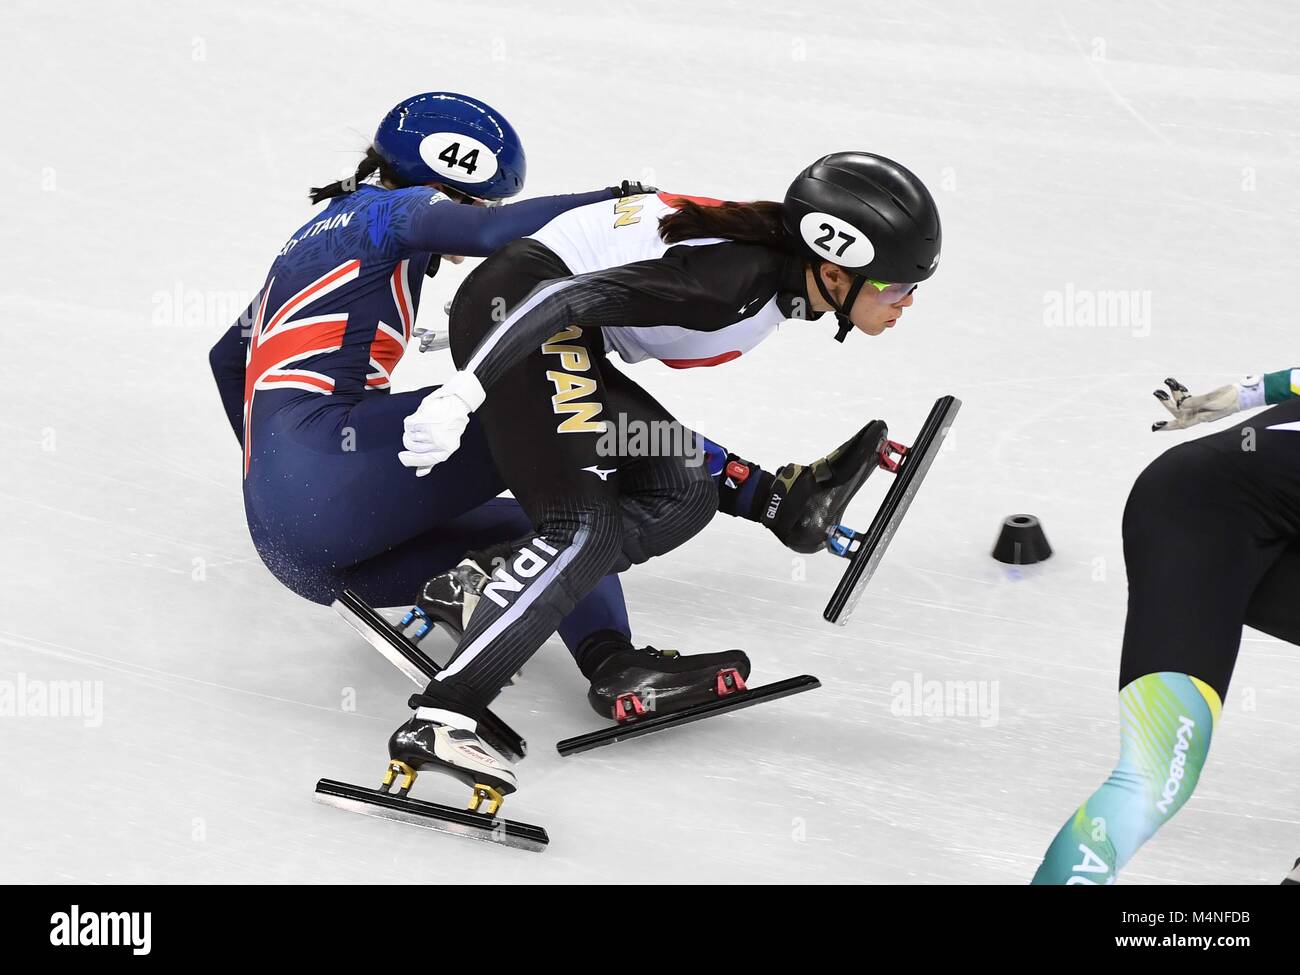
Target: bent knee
x=699, y=505
x=693, y=507
x=317, y=583
x=588, y=531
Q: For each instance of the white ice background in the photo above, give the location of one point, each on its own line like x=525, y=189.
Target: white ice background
x=156, y=149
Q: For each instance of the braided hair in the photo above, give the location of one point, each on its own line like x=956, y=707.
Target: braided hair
x=370, y=164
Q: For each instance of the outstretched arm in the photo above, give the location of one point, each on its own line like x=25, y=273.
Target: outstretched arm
x=1253, y=391
x=428, y=221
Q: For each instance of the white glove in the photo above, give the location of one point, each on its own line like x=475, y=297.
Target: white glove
x=1188, y=410
x=434, y=430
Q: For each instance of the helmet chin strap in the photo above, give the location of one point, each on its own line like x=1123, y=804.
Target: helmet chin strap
x=841, y=310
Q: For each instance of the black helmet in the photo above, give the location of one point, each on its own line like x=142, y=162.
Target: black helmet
x=867, y=214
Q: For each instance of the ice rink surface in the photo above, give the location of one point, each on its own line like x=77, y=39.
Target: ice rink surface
x=155, y=159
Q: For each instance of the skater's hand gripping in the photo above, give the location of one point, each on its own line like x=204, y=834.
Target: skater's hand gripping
x=631, y=187
x=1189, y=410
x=431, y=340
x=434, y=430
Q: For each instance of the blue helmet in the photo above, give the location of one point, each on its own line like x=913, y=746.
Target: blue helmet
x=455, y=140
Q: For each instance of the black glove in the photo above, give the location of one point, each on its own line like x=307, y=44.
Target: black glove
x=631, y=188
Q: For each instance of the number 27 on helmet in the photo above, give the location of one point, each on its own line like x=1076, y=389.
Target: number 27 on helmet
x=869, y=215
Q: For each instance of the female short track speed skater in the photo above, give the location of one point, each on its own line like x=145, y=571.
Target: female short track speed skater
x=688, y=281
x=1211, y=544
x=305, y=376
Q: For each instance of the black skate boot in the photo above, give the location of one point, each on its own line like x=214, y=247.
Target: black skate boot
x=447, y=600
x=636, y=681
x=808, y=500
x=447, y=741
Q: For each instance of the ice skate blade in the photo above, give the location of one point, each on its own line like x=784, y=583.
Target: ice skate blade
x=735, y=701
x=411, y=668
x=872, y=544
x=431, y=815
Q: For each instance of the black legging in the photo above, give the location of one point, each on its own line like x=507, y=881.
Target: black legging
x=594, y=513
x=1275, y=604
x=1212, y=542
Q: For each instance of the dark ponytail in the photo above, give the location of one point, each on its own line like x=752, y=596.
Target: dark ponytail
x=758, y=222
x=372, y=163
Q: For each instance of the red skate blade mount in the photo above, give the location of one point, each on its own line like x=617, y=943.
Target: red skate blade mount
x=647, y=725
x=887, y=451
x=628, y=707
x=729, y=682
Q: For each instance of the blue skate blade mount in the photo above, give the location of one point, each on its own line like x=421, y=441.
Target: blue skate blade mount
x=864, y=550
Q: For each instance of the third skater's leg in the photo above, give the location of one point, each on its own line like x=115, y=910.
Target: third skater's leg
x=1205, y=525
x=1273, y=607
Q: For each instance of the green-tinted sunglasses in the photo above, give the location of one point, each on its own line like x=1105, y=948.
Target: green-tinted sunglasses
x=892, y=293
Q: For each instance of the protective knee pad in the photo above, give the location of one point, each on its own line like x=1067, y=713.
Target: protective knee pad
x=1166, y=723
